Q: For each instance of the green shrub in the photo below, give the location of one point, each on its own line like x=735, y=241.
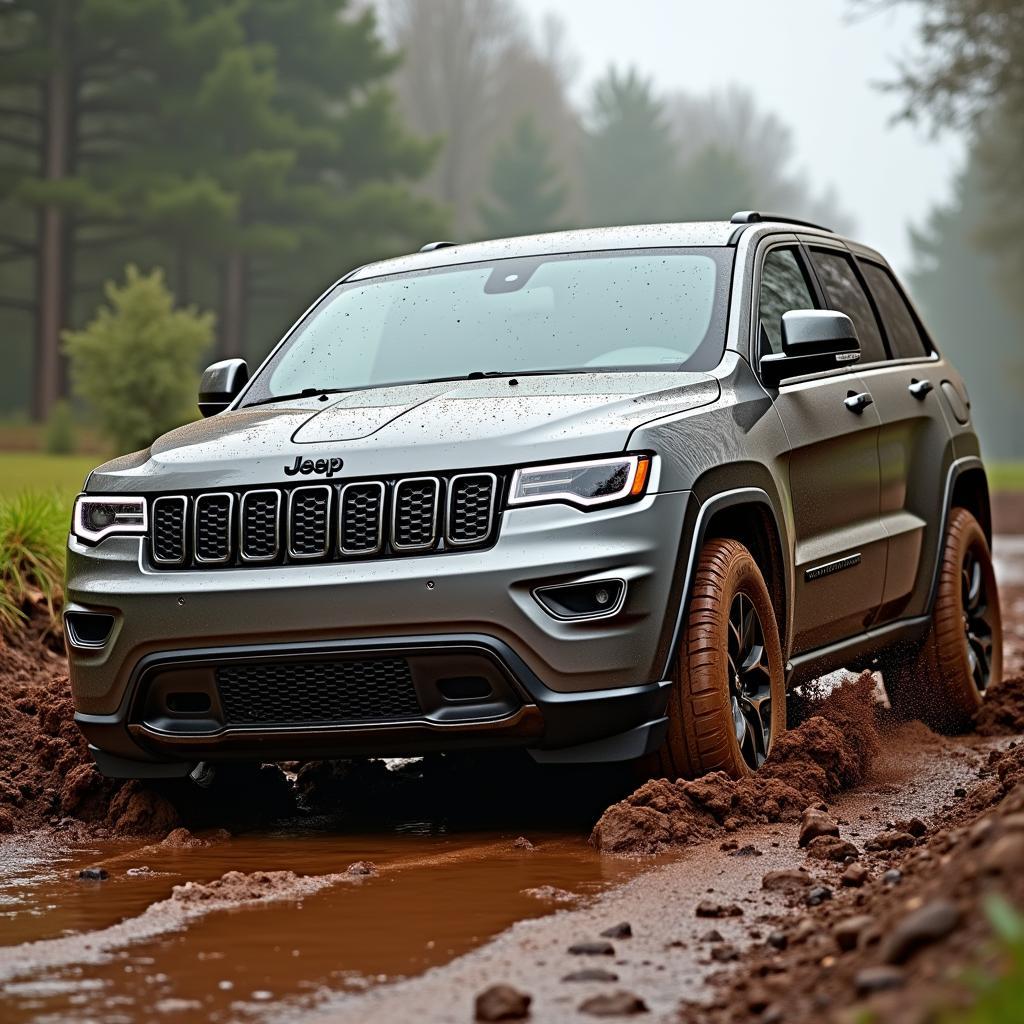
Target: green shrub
x=60, y=430
x=135, y=363
x=33, y=534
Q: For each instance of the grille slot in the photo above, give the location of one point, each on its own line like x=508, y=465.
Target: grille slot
x=168, y=542
x=309, y=510
x=470, y=508
x=259, y=525
x=213, y=528
x=414, y=515
x=293, y=692
x=361, y=524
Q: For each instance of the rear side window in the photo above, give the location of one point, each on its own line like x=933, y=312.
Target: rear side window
x=900, y=325
x=845, y=294
x=783, y=287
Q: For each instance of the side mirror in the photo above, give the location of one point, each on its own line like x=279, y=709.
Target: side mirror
x=812, y=340
x=221, y=384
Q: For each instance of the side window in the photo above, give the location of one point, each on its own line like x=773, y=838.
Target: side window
x=844, y=293
x=904, y=337
x=783, y=287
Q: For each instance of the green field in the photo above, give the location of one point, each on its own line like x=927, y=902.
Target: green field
x=36, y=471
x=1006, y=476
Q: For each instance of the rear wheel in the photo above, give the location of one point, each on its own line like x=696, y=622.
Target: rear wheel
x=727, y=704
x=943, y=679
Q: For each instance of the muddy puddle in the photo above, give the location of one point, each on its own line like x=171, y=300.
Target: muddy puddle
x=433, y=896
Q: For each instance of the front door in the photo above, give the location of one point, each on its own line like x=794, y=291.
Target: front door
x=840, y=543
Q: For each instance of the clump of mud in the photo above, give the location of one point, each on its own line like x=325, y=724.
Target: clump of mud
x=830, y=751
x=238, y=887
x=1002, y=713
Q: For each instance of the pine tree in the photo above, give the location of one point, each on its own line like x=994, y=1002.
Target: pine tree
x=713, y=185
x=528, y=191
x=630, y=162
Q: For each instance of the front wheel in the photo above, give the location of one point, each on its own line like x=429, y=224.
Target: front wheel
x=728, y=703
x=943, y=680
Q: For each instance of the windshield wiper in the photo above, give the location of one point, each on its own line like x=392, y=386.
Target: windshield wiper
x=304, y=393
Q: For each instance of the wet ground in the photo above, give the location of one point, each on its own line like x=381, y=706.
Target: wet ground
x=452, y=903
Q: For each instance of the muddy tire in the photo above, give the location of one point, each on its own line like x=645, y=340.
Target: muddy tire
x=728, y=673
x=943, y=679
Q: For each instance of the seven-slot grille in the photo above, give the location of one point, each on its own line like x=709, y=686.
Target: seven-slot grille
x=361, y=519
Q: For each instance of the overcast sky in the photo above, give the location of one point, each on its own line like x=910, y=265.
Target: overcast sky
x=808, y=62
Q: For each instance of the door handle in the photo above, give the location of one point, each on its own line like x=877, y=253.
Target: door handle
x=920, y=388
x=858, y=403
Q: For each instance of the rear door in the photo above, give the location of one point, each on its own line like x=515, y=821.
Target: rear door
x=913, y=442
x=840, y=545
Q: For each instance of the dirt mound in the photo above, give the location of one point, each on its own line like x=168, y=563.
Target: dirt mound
x=1002, y=712
x=909, y=943
x=238, y=887
x=830, y=751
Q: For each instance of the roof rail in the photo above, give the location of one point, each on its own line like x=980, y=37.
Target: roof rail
x=756, y=217
x=431, y=246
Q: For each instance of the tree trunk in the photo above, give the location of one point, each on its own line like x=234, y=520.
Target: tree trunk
x=52, y=270
x=231, y=335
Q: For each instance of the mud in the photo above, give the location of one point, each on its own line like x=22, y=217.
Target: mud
x=831, y=751
x=906, y=945
x=1002, y=713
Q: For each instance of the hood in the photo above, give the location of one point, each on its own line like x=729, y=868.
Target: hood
x=414, y=428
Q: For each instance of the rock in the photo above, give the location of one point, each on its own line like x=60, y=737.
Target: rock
x=815, y=823
x=890, y=841
x=960, y=792
x=877, y=979
x=778, y=940
x=724, y=953
x=708, y=908
x=916, y=827
x=502, y=1002
x=522, y=843
x=854, y=876
x=94, y=874
x=893, y=876
x=182, y=839
x=818, y=895
x=618, y=931
x=596, y=948
x=1005, y=855
x=591, y=974
x=785, y=881
x=929, y=924
x=712, y=936
x=613, y=1004
x=848, y=932
x=832, y=848
x=746, y=851
x=365, y=867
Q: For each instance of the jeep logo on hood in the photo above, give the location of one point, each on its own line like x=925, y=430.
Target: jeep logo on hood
x=322, y=467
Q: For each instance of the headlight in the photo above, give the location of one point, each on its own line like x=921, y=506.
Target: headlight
x=95, y=518
x=585, y=483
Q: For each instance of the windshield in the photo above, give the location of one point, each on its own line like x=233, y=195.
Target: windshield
x=652, y=309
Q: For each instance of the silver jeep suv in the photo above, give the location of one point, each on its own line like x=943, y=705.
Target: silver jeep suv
x=602, y=494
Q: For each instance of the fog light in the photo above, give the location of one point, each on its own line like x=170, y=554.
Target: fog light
x=600, y=599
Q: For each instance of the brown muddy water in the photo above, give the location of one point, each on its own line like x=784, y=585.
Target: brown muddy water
x=99, y=954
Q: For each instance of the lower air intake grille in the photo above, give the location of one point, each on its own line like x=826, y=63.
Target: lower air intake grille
x=213, y=527
x=297, y=692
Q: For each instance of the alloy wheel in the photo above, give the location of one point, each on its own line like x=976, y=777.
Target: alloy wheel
x=977, y=618
x=750, y=683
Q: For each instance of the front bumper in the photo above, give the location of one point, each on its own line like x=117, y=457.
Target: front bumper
x=567, y=684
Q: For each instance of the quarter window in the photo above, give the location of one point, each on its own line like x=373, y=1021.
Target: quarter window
x=783, y=287
x=844, y=293
x=900, y=325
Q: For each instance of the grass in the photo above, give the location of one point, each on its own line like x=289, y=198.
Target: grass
x=50, y=474
x=33, y=532
x=1006, y=476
